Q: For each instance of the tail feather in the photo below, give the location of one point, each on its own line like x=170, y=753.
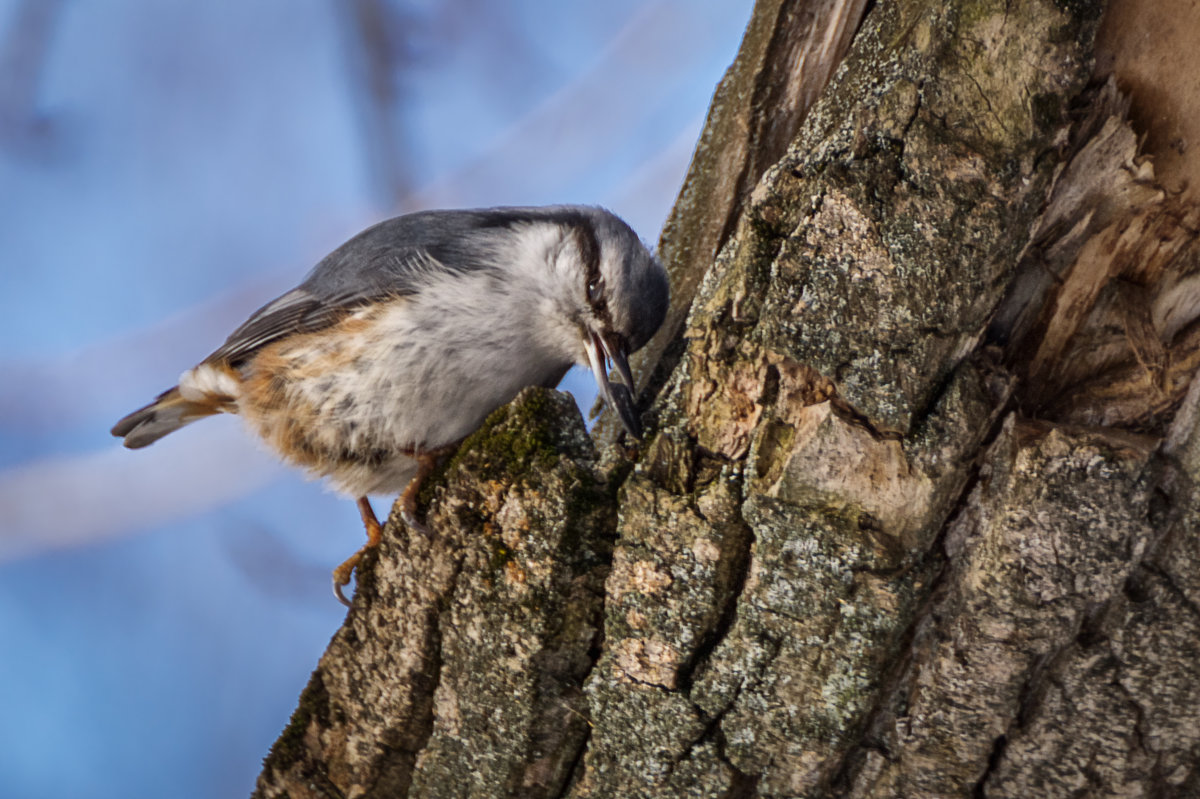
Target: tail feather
x=169, y=412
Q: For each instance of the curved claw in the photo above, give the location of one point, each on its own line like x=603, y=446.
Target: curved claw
x=426, y=462
x=408, y=513
x=410, y=519
x=342, y=574
x=337, y=592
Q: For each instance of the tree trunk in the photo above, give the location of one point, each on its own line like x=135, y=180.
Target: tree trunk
x=915, y=513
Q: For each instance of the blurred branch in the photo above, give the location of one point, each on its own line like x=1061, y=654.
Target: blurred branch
x=581, y=122
x=24, y=52
x=377, y=52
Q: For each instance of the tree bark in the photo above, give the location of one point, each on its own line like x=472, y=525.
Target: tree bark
x=915, y=514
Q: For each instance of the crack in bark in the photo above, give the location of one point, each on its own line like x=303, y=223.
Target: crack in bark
x=742, y=785
x=577, y=763
x=1030, y=675
x=713, y=731
x=425, y=718
x=993, y=762
x=908, y=123
x=740, y=569
x=1167, y=580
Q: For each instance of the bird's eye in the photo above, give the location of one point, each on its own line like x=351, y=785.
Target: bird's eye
x=595, y=291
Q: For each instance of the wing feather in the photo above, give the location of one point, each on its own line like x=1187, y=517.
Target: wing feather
x=294, y=312
x=308, y=308
x=391, y=259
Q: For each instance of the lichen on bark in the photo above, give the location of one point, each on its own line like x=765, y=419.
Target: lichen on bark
x=916, y=511
x=462, y=660
x=826, y=390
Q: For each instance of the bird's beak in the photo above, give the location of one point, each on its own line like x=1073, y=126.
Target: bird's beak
x=608, y=349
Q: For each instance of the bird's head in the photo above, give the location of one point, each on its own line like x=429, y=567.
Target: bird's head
x=620, y=294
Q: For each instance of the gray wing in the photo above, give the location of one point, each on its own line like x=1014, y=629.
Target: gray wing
x=391, y=259
x=320, y=302
x=298, y=311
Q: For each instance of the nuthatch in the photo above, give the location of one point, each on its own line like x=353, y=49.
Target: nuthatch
x=399, y=343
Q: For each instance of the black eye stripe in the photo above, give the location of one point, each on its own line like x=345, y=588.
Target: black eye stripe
x=589, y=252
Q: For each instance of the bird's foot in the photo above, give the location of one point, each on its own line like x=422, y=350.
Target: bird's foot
x=426, y=463
x=409, y=516
x=342, y=574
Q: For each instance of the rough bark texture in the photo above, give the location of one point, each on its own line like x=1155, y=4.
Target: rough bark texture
x=916, y=513
x=460, y=664
x=790, y=51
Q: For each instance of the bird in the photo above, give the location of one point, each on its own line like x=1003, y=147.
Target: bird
x=399, y=343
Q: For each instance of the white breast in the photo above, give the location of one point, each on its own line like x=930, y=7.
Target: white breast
x=420, y=373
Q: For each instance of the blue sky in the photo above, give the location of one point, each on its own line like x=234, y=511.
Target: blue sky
x=167, y=167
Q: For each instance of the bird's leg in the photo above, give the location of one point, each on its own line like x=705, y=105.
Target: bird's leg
x=341, y=575
x=426, y=462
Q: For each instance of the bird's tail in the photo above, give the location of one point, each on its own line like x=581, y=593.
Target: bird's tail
x=169, y=412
